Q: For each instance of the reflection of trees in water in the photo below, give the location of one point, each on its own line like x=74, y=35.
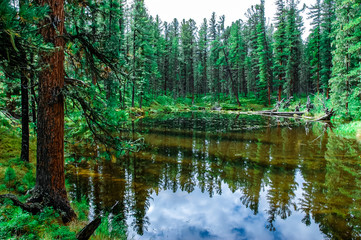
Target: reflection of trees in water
x=249, y=161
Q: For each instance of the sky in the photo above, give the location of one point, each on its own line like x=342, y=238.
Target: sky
x=195, y=215
x=200, y=9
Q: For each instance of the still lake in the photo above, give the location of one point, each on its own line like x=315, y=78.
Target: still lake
x=227, y=176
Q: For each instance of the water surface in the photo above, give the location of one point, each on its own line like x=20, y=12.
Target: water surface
x=214, y=176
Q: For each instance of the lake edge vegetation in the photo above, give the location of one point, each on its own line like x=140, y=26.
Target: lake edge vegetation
x=90, y=62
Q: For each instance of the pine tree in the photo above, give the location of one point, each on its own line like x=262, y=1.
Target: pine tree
x=315, y=43
x=174, y=56
x=345, y=86
x=252, y=46
x=264, y=85
x=213, y=55
x=294, y=41
x=202, y=57
x=50, y=176
x=279, y=45
x=326, y=47
x=237, y=56
x=188, y=49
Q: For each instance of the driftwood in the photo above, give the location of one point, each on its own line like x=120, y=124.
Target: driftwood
x=327, y=116
x=278, y=104
x=309, y=105
x=274, y=113
x=89, y=229
x=287, y=103
x=33, y=208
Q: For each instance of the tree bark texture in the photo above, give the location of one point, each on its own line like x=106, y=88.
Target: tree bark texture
x=50, y=178
x=24, y=118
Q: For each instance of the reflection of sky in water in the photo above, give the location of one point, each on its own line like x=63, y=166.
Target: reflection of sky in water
x=196, y=216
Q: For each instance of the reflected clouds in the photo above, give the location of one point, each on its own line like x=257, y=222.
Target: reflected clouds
x=194, y=216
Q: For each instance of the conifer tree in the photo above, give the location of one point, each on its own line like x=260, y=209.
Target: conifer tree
x=237, y=56
x=174, y=56
x=202, y=57
x=294, y=42
x=279, y=45
x=326, y=47
x=345, y=86
x=315, y=43
x=264, y=85
x=213, y=55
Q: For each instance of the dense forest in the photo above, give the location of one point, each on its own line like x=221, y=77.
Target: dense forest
x=89, y=62
x=132, y=58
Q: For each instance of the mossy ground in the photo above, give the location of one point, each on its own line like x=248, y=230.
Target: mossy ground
x=18, y=177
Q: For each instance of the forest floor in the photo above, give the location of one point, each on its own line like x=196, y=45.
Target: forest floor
x=17, y=177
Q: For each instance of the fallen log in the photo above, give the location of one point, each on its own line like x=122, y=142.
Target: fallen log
x=89, y=229
x=327, y=116
x=272, y=113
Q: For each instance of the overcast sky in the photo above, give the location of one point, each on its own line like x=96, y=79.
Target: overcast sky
x=199, y=9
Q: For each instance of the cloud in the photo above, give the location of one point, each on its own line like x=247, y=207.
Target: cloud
x=196, y=216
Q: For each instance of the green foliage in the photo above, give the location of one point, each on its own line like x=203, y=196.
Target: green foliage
x=14, y=222
x=112, y=226
x=345, y=83
x=82, y=208
x=29, y=180
x=349, y=130
x=10, y=176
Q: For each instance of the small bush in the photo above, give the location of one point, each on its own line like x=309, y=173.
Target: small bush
x=10, y=176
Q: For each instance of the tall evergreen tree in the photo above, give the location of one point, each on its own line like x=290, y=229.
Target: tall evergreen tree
x=315, y=43
x=279, y=45
x=326, y=47
x=346, y=69
x=265, y=80
x=202, y=57
x=50, y=176
x=213, y=55
x=294, y=41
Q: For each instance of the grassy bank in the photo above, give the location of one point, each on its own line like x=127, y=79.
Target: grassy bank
x=17, y=177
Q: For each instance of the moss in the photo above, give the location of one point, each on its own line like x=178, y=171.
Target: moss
x=24, y=173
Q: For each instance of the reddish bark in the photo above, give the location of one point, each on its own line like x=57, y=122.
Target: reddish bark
x=50, y=178
x=279, y=93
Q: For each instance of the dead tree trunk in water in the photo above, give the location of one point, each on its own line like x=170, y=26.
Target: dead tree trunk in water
x=50, y=179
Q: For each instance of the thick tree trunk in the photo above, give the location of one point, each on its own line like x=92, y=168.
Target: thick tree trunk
x=50, y=178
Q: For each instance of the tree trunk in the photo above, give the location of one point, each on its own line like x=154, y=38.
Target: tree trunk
x=24, y=118
x=279, y=92
x=50, y=179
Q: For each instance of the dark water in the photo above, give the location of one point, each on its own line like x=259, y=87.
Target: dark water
x=229, y=177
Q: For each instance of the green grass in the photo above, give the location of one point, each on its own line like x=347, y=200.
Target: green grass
x=351, y=130
x=17, y=177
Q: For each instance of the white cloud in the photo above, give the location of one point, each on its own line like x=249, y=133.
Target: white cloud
x=200, y=9
x=196, y=216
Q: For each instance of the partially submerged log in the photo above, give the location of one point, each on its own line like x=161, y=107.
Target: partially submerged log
x=89, y=229
x=274, y=113
x=327, y=116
